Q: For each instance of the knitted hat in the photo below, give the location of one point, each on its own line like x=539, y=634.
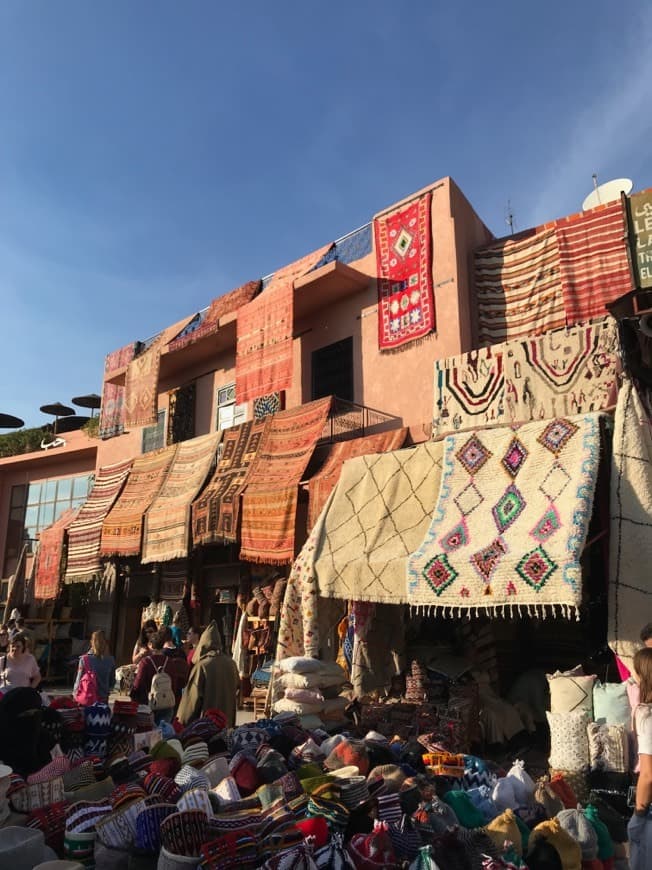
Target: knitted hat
x=291, y=785
x=166, y=749
x=569, y=850
x=329, y=743
x=114, y=830
x=148, y=826
x=410, y=796
x=307, y=771
x=581, y=830
x=82, y=816
x=504, y=828
x=468, y=815
x=316, y=827
x=374, y=850
x=195, y=754
x=52, y=821
x=349, y=752
x=57, y=767
x=97, y=791
x=321, y=804
x=169, y=767
x=391, y=774
x=406, y=840
x=196, y=799
x=217, y=717
x=227, y=790
x=215, y=770
x=120, y=769
x=163, y=787
x=98, y=720
x=125, y=708
x=247, y=737
x=139, y=760
x=563, y=790
x=374, y=738
x=243, y=770
x=605, y=843
x=271, y=765
x=182, y=833
x=126, y=794
x=232, y=849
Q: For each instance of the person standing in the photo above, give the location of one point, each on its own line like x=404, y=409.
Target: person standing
x=101, y=663
x=640, y=825
x=192, y=639
x=4, y=640
x=155, y=662
x=19, y=667
x=213, y=681
x=141, y=647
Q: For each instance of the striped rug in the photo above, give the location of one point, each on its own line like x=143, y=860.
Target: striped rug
x=47, y=578
x=269, y=502
x=594, y=264
x=166, y=533
x=123, y=527
x=518, y=287
x=220, y=307
x=85, y=533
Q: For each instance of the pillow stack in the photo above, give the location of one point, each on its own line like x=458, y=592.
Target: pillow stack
x=311, y=688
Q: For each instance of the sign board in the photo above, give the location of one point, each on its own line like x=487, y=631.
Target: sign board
x=640, y=209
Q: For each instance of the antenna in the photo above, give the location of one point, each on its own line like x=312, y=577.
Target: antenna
x=607, y=192
x=509, y=217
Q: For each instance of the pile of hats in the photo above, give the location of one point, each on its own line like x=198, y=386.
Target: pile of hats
x=310, y=687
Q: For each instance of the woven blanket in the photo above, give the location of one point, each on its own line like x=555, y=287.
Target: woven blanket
x=565, y=371
x=141, y=386
x=640, y=211
x=511, y=520
x=174, y=579
x=265, y=406
x=630, y=550
x=216, y=513
x=263, y=362
x=518, y=287
x=181, y=414
x=112, y=413
x=593, y=260
x=406, y=304
x=166, y=531
x=379, y=513
x=85, y=533
x=269, y=502
x=324, y=482
x=220, y=307
x=47, y=577
x=123, y=526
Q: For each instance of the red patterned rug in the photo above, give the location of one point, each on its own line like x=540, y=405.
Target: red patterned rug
x=216, y=513
x=323, y=483
x=406, y=304
x=141, y=386
x=269, y=502
x=47, y=577
x=219, y=307
x=263, y=362
x=112, y=414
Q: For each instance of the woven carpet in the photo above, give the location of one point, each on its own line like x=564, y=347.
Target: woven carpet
x=123, y=526
x=406, y=304
x=112, y=413
x=269, y=502
x=85, y=533
x=630, y=549
x=324, y=482
x=166, y=531
x=593, y=260
x=174, y=580
x=565, y=371
x=181, y=414
x=640, y=210
x=511, y=520
x=379, y=513
x=263, y=362
x=216, y=513
x=518, y=287
x=220, y=307
x=265, y=406
x=47, y=577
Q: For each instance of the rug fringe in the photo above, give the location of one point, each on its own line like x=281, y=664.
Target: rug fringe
x=264, y=560
x=408, y=344
x=498, y=611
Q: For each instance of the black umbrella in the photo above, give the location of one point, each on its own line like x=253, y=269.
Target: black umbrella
x=56, y=409
x=8, y=421
x=92, y=401
x=71, y=424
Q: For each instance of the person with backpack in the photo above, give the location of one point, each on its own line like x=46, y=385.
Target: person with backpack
x=95, y=673
x=160, y=679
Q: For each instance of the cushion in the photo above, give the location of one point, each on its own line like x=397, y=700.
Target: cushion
x=308, y=681
x=569, y=743
x=285, y=705
x=300, y=665
x=570, y=693
x=611, y=704
x=308, y=696
x=608, y=747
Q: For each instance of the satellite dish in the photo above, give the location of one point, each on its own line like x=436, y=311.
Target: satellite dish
x=607, y=192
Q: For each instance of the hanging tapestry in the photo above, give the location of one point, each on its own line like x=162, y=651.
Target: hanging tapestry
x=50, y=554
x=263, y=361
x=511, y=520
x=269, y=502
x=406, y=304
x=123, y=526
x=379, y=513
x=265, y=406
x=174, y=580
x=518, y=287
x=85, y=533
x=141, y=386
x=565, y=371
x=593, y=260
x=112, y=413
x=630, y=551
x=220, y=307
x=323, y=483
x=181, y=414
x=166, y=531
x=640, y=212
x=216, y=513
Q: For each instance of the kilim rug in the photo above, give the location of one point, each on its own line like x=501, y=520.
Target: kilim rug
x=379, y=513
x=323, y=483
x=265, y=406
x=269, y=502
x=630, y=549
x=518, y=287
x=181, y=414
x=166, y=531
x=565, y=371
x=263, y=362
x=141, y=386
x=123, y=526
x=406, y=304
x=47, y=578
x=216, y=513
x=174, y=580
x=594, y=260
x=220, y=307
x=511, y=520
x=85, y=533
x=112, y=413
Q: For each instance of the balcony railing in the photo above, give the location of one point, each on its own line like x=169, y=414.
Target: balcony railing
x=349, y=420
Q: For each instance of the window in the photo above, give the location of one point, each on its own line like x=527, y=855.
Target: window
x=154, y=436
x=332, y=370
x=228, y=413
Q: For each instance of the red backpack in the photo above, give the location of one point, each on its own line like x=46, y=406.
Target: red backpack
x=87, y=692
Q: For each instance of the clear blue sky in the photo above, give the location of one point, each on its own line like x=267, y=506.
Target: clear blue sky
x=154, y=154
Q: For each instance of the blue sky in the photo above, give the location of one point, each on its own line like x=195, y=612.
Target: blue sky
x=154, y=154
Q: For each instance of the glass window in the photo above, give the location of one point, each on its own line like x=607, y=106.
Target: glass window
x=49, y=490
x=64, y=489
x=80, y=487
x=17, y=496
x=34, y=494
x=228, y=413
x=154, y=436
x=31, y=515
x=46, y=515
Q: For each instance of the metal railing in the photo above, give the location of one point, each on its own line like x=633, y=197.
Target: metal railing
x=349, y=420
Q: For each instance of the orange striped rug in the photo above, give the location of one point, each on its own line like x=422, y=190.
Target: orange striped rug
x=50, y=553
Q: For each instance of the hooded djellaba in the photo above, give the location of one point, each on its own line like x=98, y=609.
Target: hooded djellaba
x=213, y=681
